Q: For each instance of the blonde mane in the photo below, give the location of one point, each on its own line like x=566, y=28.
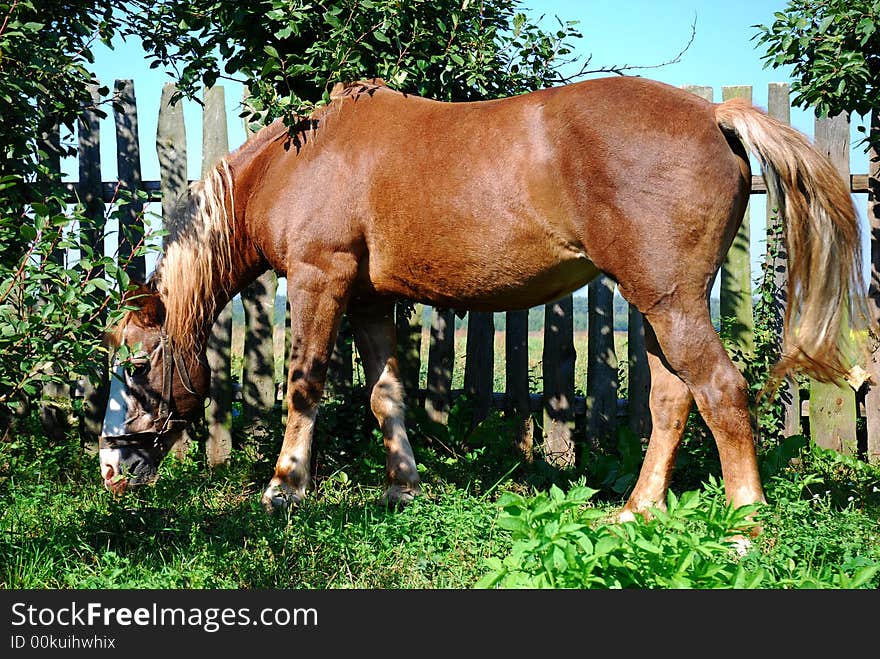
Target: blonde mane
x=197, y=262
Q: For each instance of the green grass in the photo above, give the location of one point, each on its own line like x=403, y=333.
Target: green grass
x=202, y=528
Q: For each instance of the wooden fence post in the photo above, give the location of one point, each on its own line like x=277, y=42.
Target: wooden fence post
x=258, y=390
x=872, y=396
x=480, y=363
x=736, y=273
x=638, y=385
x=601, y=362
x=288, y=327
x=408, y=318
x=95, y=392
x=441, y=358
x=558, y=399
x=516, y=371
x=832, y=407
x=54, y=416
x=128, y=165
x=215, y=145
x=779, y=107
x=173, y=182
x=340, y=371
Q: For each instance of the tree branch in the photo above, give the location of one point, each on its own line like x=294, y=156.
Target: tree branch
x=622, y=70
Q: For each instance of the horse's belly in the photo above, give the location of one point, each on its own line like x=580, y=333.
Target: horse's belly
x=493, y=282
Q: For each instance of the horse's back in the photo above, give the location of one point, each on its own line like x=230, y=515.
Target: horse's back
x=504, y=203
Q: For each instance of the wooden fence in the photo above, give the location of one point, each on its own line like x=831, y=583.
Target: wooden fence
x=554, y=416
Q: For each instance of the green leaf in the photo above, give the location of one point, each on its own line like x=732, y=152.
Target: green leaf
x=515, y=524
x=27, y=232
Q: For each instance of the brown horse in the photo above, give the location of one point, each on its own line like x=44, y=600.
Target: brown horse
x=489, y=206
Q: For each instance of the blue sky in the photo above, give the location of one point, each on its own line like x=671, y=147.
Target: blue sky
x=637, y=32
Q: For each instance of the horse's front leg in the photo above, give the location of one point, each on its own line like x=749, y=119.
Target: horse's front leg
x=317, y=299
x=374, y=333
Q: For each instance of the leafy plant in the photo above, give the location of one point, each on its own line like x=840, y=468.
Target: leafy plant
x=618, y=470
x=832, y=46
x=58, y=291
x=561, y=542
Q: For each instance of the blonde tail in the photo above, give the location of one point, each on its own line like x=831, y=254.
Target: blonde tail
x=827, y=292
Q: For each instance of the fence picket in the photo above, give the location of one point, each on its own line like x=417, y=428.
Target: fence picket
x=832, y=407
x=95, y=392
x=736, y=273
x=480, y=363
x=215, y=145
x=258, y=390
x=55, y=395
x=558, y=398
x=516, y=372
x=872, y=394
x=173, y=181
x=441, y=358
x=128, y=167
x=409, y=348
x=788, y=396
x=601, y=362
x=638, y=385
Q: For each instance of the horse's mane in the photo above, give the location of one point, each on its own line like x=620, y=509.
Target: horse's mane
x=357, y=88
x=197, y=258
x=198, y=248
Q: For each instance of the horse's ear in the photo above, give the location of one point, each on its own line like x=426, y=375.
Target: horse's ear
x=151, y=308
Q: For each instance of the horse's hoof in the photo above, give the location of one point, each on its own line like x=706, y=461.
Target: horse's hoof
x=398, y=496
x=740, y=545
x=640, y=508
x=626, y=515
x=279, y=497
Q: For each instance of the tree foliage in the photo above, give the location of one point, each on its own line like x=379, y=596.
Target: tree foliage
x=834, y=49
x=291, y=52
x=53, y=309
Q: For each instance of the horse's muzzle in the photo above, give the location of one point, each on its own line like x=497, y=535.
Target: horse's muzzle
x=125, y=467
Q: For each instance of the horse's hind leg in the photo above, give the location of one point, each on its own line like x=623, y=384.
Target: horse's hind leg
x=694, y=353
x=670, y=403
x=374, y=333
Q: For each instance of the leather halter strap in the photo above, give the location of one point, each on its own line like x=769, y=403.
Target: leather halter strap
x=171, y=361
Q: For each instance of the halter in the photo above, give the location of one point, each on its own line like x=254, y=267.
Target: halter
x=171, y=361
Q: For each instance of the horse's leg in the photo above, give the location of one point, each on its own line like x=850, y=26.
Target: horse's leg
x=375, y=336
x=694, y=352
x=670, y=402
x=317, y=298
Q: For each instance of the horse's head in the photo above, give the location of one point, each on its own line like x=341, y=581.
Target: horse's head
x=154, y=393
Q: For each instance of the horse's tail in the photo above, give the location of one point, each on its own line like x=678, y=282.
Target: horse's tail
x=826, y=288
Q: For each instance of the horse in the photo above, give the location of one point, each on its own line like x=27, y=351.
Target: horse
x=490, y=205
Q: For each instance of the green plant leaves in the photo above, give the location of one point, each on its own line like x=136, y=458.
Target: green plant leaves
x=830, y=46
x=559, y=542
